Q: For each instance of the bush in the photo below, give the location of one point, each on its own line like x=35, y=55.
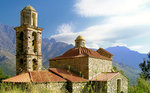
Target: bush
x=141, y=87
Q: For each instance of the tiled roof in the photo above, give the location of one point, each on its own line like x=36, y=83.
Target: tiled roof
x=25, y=77
x=80, y=52
x=68, y=75
x=105, y=76
x=105, y=53
x=36, y=76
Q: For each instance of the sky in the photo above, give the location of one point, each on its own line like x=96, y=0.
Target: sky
x=102, y=23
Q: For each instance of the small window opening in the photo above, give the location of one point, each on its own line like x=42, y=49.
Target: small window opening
x=21, y=41
x=34, y=19
x=35, y=64
x=34, y=42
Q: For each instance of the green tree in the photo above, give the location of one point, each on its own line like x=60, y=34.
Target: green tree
x=145, y=67
x=2, y=75
x=141, y=87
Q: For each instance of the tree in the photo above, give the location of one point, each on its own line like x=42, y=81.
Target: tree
x=2, y=75
x=145, y=67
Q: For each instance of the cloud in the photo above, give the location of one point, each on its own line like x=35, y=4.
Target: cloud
x=64, y=28
x=136, y=47
x=113, y=30
x=65, y=33
x=119, y=44
x=90, y=8
x=107, y=34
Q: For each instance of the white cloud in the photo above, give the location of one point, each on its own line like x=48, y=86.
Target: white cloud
x=119, y=44
x=65, y=28
x=136, y=47
x=114, y=28
x=90, y=8
x=65, y=33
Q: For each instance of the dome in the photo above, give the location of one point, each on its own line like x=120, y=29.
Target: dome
x=79, y=38
x=29, y=8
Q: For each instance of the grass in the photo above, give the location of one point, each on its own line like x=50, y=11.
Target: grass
x=26, y=88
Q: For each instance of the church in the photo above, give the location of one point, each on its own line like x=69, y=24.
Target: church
x=75, y=71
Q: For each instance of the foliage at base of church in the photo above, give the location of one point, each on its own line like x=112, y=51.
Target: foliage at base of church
x=2, y=75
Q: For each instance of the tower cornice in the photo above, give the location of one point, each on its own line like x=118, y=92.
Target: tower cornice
x=28, y=27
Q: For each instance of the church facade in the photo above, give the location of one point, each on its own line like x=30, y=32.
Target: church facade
x=78, y=70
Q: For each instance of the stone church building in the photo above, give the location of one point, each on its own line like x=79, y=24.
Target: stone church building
x=78, y=70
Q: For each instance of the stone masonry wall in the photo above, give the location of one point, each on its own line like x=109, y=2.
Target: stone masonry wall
x=97, y=66
x=79, y=65
x=79, y=87
x=27, y=53
x=112, y=84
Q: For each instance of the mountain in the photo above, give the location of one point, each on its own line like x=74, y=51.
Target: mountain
x=51, y=48
x=126, y=56
x=7, y=38
x=7, y=62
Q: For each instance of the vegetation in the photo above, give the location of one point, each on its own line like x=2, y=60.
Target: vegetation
x=141, y=87
x=145, y=67
x=26, y=88
x=143, y=82
x=2, y=75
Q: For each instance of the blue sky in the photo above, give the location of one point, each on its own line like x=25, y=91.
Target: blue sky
x=103, y=23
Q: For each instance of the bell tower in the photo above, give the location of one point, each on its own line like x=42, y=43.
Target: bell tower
x=28, y=42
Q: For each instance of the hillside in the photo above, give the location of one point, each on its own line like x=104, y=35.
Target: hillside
x=7, y=62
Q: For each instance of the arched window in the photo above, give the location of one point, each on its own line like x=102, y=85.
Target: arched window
x=34, y=19
x=34, y=42
x=21, y=41
x=118, y=85
x=34, y=64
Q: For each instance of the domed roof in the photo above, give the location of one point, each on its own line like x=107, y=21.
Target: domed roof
x=79, y=38
x=80, y=52
x=29, y=8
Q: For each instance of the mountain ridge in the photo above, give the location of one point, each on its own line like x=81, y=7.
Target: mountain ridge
x=126, y=56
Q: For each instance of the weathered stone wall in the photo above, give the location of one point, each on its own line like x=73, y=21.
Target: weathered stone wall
x=79, y=65
x=54, y=87
x=79, y=87
x=27, y=53
x=97, y=66
x=88, y=66
x=112, y=84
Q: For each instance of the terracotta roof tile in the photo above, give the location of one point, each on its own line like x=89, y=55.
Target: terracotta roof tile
x=24, y=77
x=105, y=76
x=80, y=52
x=68, y=75
x=105, y=53
x=36, y=76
